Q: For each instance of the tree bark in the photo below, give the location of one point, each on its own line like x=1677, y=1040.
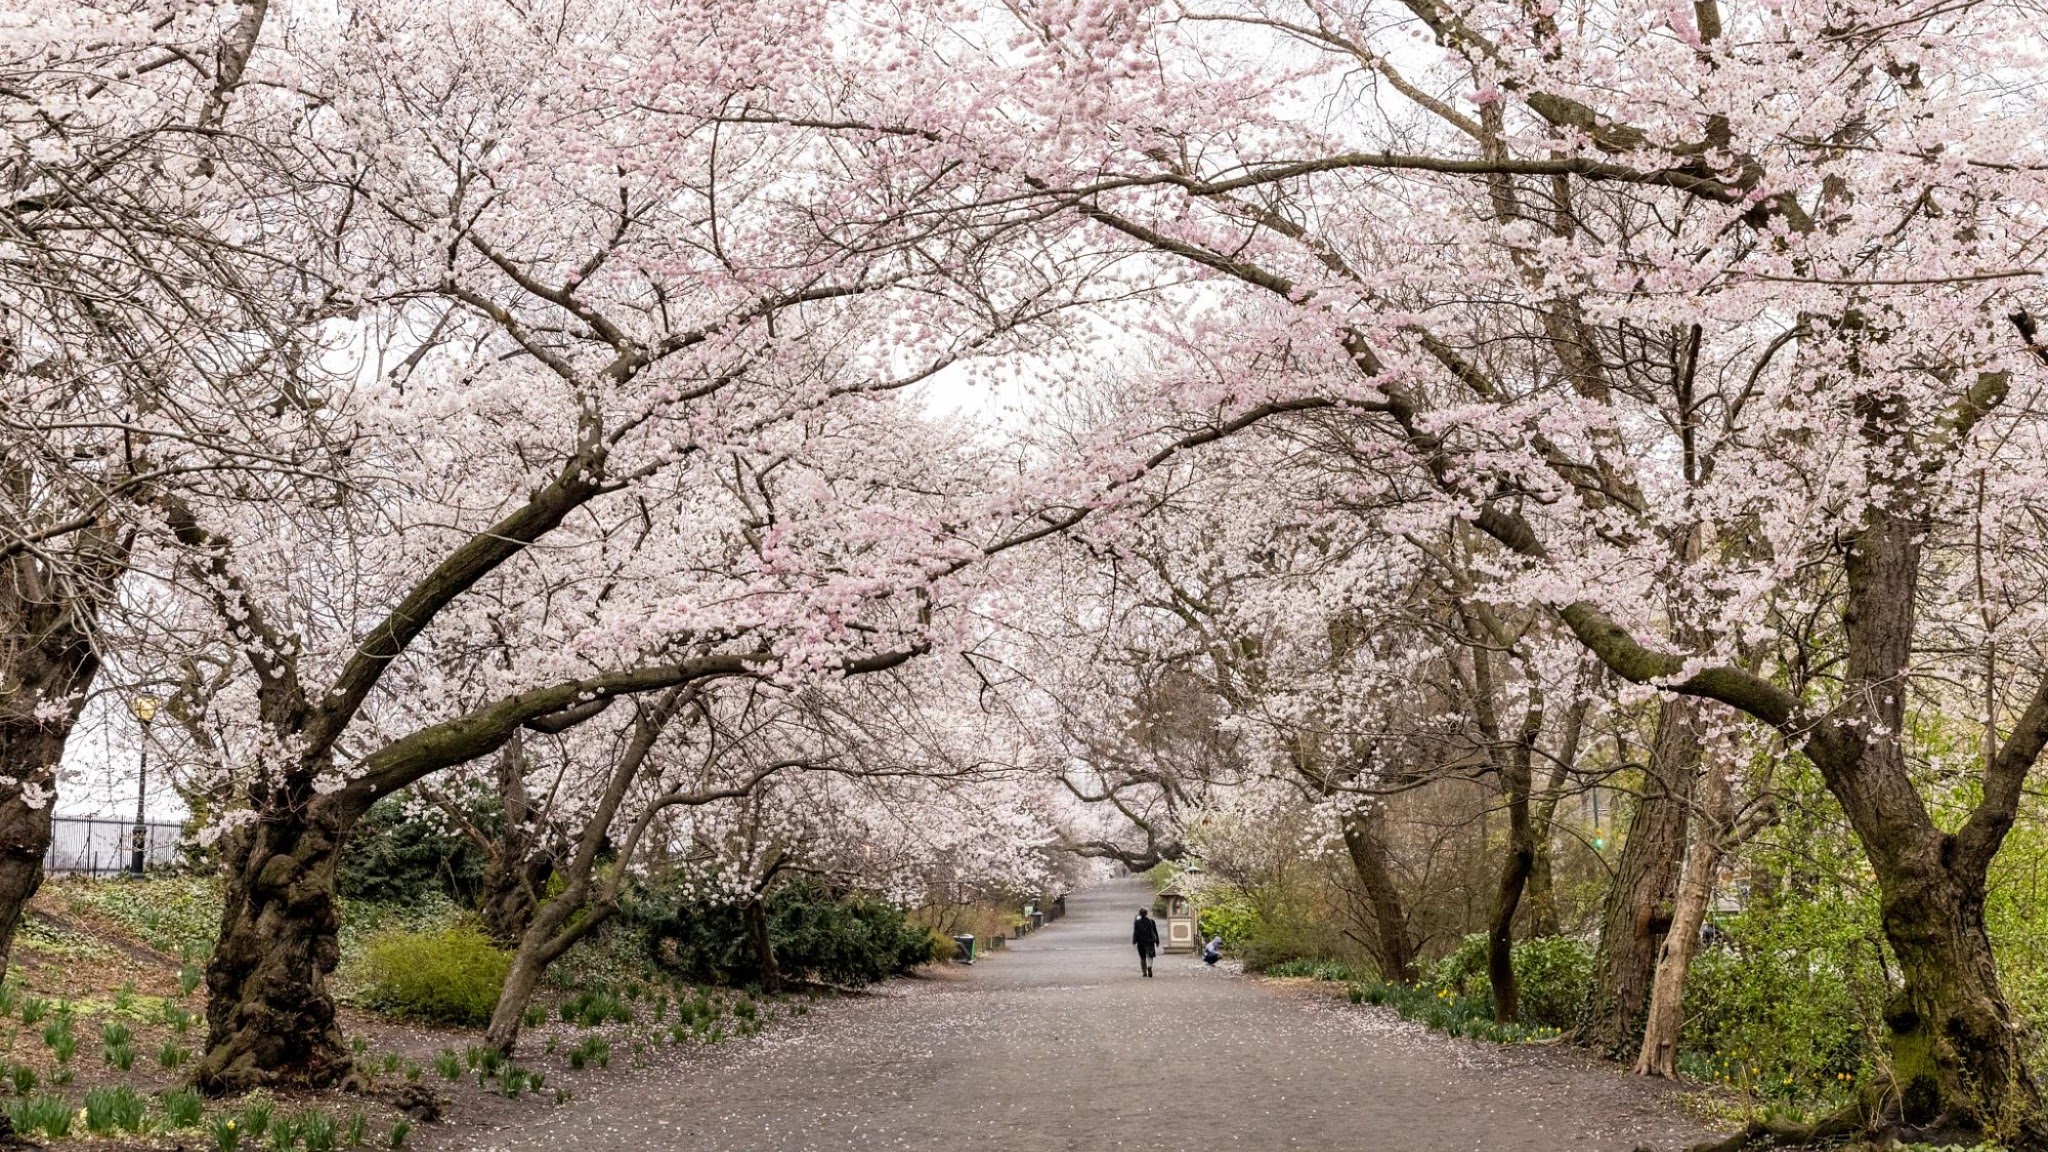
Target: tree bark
x=269, y=1014
x=1393, y=944
x=1542, y=918
x=1521, y=859
x=554, y=930
x=1959, y=1055
x=47, y=663
x=1637, y=909
x=511, y=892
x=29, y=752
x=1541, y=902
x=517, y=868
x=1659, y=1053
x=764, y=946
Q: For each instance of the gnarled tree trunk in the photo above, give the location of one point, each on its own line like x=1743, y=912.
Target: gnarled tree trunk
x=518, y=866
x=29, y=751
x=47, y=663
x=269, y=1014
x=511, y=893
x=1638, y=906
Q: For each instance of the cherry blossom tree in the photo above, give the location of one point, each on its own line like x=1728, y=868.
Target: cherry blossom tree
x=1673, y=304
x=156, y=337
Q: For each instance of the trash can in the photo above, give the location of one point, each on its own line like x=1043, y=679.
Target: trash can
x=965, y=946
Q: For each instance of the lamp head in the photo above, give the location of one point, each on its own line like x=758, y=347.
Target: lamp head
x=144, y=708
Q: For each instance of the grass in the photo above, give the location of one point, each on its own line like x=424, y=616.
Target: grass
x=47, y=1116
x=182, y=1108
x=592, y=1050
x=1332, y=970
x=113, y=1110
x=176, y=915
x=591, y=1008
x=1445, y=1011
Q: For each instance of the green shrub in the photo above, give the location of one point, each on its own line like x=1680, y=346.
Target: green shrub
x=852, y=940
x=447, y=977
x=1235, y=921
x=395, y=857
x=1552, y=974
x=22, y=1079
x=1315, y=969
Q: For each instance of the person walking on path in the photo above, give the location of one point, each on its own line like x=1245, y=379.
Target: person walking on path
x=1145, y=934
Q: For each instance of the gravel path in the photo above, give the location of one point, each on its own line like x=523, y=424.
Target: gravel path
x=1056, y=1043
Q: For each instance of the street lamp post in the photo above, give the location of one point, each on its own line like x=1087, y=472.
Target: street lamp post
x=145, y=711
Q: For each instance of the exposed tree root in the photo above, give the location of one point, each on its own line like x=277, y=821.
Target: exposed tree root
x=1851, y=1122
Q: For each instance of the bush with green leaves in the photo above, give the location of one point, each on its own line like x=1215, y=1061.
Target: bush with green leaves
x=816, y=936
x=1233, y=919
x=397, y=857
x=451, y=976
x=1552, y=974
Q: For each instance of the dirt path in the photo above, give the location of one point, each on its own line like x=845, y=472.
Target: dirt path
x=1058, y=1044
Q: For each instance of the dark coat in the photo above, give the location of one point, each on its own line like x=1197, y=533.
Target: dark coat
x=1145, y=934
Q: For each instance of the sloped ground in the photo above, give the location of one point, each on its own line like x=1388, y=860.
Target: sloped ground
x=1057, y=1044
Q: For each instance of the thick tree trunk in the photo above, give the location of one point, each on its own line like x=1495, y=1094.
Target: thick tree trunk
x=1393, y=945
x=47, y=664
x=1959, y=1056
x=29, y=752
x=1659, y=1053
x=555, y=929
x=511, y=892
x=509, y=1014
x=1638, y=905
x=269, y=1014
x=764, y=946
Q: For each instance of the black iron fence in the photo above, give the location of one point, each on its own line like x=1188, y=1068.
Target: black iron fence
x=101, y=846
